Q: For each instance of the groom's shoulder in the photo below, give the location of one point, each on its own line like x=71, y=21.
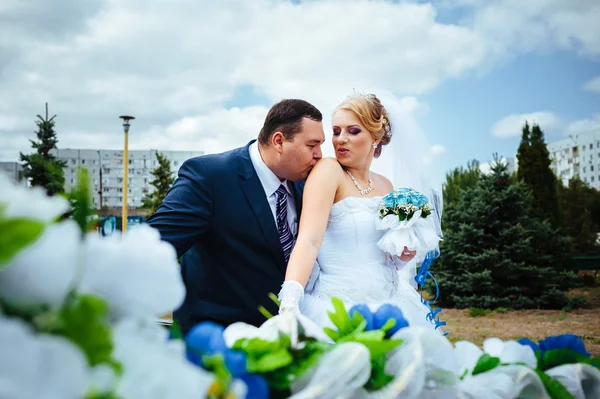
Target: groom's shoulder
x=215, y=162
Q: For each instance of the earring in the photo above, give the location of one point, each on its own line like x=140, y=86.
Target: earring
x=374, y=146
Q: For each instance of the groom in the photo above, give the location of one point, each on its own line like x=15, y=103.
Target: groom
x=232, y=217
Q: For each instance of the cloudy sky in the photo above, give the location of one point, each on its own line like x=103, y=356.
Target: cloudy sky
x=201, y=74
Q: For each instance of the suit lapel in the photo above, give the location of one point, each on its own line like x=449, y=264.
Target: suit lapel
x=255, y=194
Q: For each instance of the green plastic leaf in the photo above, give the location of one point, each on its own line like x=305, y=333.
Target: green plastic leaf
x=83, y=320
x=304, y=359
x=175, y=330
x=258, y=347
x=485, y=363
x=340, y=317
x=331, y=333
x=554, y=388
x=16, y=235
x=558, y=357
x=379, y=378
x=388, y=325
x=270, y=361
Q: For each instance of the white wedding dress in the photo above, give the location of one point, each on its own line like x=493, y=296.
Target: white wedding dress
x=355, y=270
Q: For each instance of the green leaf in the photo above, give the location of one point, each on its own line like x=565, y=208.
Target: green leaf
x=331, y=333
x=269, y=361
x=388, y=325
x=485, y=363
x=554, y=388
x=303, y=360
x=558, y=357
x=379, y=378
x=15, y=235
x=340, y=317
x=83, y=320
x=258, y=347
x=175, y=330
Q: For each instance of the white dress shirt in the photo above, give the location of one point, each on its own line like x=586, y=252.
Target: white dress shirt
x=270, y=184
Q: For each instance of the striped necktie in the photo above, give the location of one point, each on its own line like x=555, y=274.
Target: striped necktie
x=285, y=234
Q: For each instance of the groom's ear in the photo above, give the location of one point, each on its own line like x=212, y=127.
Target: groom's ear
x=277, y=140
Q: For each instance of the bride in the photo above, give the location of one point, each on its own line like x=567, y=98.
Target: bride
x=338, y=223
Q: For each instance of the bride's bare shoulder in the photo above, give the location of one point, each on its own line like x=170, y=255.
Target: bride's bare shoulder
x=328, y=166
x=382, y=181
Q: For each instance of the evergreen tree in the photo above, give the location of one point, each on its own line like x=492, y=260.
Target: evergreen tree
x=534, y=170
x=458, y=181
x=496, y=254
x=42, y=168
x=579, y=204
x=163, y=180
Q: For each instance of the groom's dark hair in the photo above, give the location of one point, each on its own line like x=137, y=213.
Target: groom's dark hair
x=286, y=117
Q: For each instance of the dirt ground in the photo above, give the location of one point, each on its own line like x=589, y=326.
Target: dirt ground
x=533, y=324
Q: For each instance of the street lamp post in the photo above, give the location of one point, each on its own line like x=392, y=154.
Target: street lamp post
x=126, y=125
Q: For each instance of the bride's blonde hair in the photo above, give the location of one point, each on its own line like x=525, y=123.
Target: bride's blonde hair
x=372, y=115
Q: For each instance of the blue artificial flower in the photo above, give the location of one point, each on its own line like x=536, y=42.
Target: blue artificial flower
x=236, y=362
x=206, y=338
x=565, y=341
x=389, y=202
x=257, y=386
x=366, y=314
x=386, y=312
x=528, y=342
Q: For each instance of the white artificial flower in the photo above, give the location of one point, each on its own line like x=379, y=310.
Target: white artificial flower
x=30, y=203
x=39, y=366
x=45, y=271
x=154, y=367
x=502, y=381
x=137, y=273
x=510, y=352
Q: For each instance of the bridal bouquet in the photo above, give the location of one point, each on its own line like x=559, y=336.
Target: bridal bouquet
x=406, y=215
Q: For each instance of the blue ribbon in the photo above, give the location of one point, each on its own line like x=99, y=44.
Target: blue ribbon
x=421, y=279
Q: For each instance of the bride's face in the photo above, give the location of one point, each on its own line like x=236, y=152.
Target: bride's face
x=352, y=142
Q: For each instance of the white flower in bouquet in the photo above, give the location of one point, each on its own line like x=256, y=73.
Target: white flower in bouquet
x=19, y=201
x=154, y=367
x=39, y=366
x=136, y=273
x=45, y=271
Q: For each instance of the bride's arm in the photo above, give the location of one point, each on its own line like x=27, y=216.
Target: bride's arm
x=319, y=194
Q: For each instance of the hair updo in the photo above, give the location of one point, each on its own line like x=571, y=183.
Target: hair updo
x=372, y=116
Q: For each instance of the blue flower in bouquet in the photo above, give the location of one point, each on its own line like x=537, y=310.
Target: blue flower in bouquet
x=206, y=338
x=366, y=314
x=404, y=202
x=387, y=312
x=236, y=362
x=565, y=341
x=257, y=386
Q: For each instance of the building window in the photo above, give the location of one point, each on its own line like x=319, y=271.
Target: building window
x=106, y=189
x=584, y=169
x=71, y=181
x=73, y=161
x=119, y=180
x=592, y=178
x=83, y=161
x=106, y=170
x=592, y=168
x=591, y=146
x=130, y=162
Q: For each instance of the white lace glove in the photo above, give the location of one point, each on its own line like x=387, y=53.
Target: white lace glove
x=290, y=296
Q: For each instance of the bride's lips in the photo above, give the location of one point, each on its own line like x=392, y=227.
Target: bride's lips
x=342, y=151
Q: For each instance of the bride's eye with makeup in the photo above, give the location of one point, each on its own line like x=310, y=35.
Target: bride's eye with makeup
x=354, y=130
x=336, y=131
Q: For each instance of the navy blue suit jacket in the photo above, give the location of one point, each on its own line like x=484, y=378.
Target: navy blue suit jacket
x=218, y=218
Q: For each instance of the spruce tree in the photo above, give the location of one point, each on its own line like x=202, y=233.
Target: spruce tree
x=163, y=180
x=534, y=170
x=579, y=204
x=42, y=168
x=459, y=180
x=495, y=253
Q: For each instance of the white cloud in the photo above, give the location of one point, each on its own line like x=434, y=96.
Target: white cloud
x=592, y=85
x=511, y=125
x=177, y=65
x=436, y=150
x=584, y=126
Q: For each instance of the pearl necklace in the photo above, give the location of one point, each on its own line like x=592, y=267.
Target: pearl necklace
x=363, y=191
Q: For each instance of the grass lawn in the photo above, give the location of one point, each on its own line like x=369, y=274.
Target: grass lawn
x=533, y=324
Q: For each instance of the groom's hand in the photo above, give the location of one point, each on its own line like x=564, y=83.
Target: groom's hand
x=407, y=255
